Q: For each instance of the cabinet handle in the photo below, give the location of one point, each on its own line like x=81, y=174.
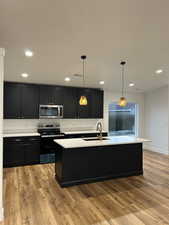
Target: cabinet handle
x=18, y=139
x=33, y=139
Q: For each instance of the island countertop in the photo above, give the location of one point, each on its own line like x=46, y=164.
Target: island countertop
x=81, y=143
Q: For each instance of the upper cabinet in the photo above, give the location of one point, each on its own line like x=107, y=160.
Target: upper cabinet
x=12, y=101
x=97, y=103
x=70, y=103
x=84, y=111
x=30, y=101
x=51, y=95
x=21, y=101
x=94, y=108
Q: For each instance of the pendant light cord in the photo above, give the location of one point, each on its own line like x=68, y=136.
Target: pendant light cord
x=122, y=76
x=83, y=57
x=83, y=72
x=122, y=80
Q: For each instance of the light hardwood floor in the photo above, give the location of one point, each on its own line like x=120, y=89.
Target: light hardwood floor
x=33, y=197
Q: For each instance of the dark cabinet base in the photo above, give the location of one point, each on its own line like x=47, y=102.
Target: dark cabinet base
x=21, y=151
x=97, y=179
x=85, y=165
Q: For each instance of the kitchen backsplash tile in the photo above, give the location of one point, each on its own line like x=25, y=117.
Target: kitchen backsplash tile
x=19, y=125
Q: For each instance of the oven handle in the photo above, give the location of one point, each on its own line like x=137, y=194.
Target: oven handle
x=59, y=135
x=59, y=111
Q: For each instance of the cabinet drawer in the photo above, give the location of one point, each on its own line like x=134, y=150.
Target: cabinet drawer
x=33, y=139
x=25, y=139
x=19, y=151
x=14, y=140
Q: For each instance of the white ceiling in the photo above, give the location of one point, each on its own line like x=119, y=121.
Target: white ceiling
x=60, y=31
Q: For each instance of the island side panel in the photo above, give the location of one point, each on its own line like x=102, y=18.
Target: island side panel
x=90, y=164
x=58, y=163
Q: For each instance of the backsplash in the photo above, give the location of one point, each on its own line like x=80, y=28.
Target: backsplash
x=30, y=125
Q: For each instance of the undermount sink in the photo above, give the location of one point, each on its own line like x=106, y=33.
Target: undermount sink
x=96, y=139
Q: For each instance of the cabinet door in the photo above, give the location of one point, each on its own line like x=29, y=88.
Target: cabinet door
x=58, y=95
x=12, y=100
x=70, y=103
x=51, y=95
x=13, y=152
x=30, y=101
x=84, y=111
x=97, y=104
x=32, y=152
x=46, y=96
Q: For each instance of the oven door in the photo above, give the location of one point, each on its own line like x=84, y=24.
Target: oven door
x=50, y=111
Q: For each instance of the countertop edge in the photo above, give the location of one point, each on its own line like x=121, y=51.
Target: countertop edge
x=21, y=135
x=83, y=132
x=101, y=144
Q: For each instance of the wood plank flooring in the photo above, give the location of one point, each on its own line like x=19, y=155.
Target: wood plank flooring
x=33, y=197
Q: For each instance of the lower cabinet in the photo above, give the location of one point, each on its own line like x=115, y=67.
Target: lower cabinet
x=19, y=151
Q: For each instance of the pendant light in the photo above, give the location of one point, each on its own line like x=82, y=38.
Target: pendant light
x=83, y=99
x=123, y=100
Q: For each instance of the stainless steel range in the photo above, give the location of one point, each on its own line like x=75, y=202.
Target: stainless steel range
x=49, y=132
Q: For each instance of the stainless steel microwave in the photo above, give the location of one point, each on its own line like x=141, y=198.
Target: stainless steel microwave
x=50, y=111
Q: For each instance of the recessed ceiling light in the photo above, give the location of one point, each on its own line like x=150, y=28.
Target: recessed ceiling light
x=159, y=71
x=28, y=53
x=131, y=84
x=101, y=82
x=67, y=79
x=24, y=75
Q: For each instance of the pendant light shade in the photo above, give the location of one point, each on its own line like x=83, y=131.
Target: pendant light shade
x=123, y=100
x=83, y=99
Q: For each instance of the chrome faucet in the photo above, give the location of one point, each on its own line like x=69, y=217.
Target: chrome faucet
x=99, y=127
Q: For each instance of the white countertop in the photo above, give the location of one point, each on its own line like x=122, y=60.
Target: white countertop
x=20, y=134
x=80, y=142
x=83, y=132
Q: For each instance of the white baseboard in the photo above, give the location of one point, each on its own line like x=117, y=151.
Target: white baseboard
x=156, y=149
x=1, y=214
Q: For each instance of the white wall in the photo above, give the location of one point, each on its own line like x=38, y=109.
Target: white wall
x=2, y=53
x=83, y=124
x=156, y=120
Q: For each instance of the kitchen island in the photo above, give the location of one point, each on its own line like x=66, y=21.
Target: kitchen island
x=84, y=160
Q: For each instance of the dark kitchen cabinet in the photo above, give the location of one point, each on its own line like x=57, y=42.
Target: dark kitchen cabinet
x=84, y=111
x=97, y=103
x=21, y=101
x=30, y=101
x=12, y=101
x=32, y=151
x=19, y=151
x=94, y=108
x=13, y=154
x=51, y=95
x=70, y=103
